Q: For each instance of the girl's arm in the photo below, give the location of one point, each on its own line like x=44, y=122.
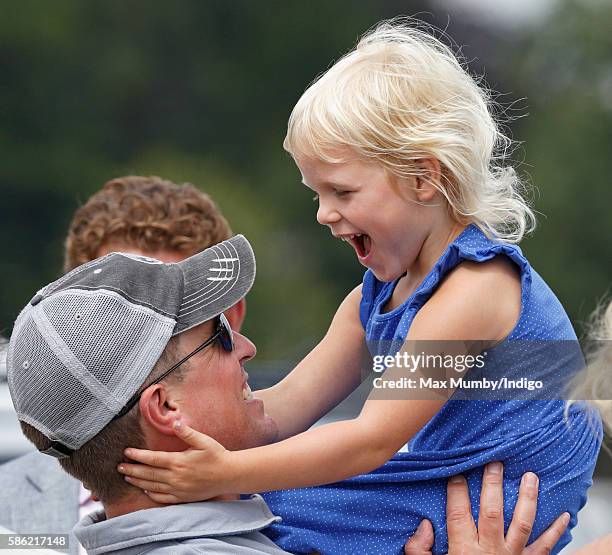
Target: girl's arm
x=331, y=452
x=326, y=376
x=467, y=306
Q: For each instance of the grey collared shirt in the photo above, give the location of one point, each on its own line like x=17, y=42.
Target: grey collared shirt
x=211, y=527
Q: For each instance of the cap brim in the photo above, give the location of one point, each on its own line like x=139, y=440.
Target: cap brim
x=215, y=280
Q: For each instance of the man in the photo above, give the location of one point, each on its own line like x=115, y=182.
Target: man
x=141, y=215
x=117, y=351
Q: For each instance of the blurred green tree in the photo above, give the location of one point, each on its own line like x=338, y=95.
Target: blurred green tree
x=201, y=92
x=565, y=70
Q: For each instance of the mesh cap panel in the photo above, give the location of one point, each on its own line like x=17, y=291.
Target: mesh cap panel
x=70, y=380
x=103, y=332
x=46, y=408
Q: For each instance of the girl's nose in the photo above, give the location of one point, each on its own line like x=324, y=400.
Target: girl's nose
x=327, y=214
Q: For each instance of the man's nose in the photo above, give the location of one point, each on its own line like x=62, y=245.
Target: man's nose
x=244, y=347
x=327, y=214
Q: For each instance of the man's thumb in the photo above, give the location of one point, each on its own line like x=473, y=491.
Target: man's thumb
x=422, y=540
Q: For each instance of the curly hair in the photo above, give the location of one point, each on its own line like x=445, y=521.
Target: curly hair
x=149, y=213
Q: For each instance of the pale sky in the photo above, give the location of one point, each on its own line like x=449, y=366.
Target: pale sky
x=510, y=13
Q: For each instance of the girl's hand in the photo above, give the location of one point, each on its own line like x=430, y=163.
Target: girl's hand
x=199, y=473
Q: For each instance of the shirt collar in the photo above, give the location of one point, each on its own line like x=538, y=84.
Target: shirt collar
x=205, y=519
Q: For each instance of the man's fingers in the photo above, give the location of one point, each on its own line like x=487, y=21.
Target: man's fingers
x=156, y=487
x=421, y=541
x=144, y=472
x=491, y=514
x=459, y=521
x=545, y=543
x=524, y=513
x=161, y=459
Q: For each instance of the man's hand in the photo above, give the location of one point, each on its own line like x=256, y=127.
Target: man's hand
x=421, y=541
x=464, y=538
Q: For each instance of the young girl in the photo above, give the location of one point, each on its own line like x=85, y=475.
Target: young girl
x=398, y=143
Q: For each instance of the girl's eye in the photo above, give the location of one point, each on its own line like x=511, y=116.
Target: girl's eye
x=315, y=198
x=341, y=193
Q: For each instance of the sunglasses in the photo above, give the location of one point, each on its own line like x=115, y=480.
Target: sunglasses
x=223, y=334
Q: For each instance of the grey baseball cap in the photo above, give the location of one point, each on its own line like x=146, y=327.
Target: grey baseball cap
x=87, y=342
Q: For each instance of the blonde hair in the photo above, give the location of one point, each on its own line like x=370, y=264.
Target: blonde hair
x=594, y=383
x=400, y=96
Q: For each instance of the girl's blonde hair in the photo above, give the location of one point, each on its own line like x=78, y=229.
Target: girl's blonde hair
x=401, y=96
x=595, y=382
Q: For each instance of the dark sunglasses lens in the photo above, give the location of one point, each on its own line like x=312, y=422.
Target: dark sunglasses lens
x=226, y=337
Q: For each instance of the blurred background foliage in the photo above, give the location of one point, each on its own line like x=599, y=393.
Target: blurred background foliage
x=200, y=91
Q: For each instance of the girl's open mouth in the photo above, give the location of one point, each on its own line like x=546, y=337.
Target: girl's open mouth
x=361, y=243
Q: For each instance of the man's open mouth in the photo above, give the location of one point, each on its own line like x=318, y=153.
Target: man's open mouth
x=247, y=394
x=360, y=242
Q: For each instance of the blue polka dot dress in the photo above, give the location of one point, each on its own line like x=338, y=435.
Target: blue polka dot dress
x=375, y=513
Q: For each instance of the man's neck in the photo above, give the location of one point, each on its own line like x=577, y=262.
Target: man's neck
x=129, y=504
x=140, y=501
x=135, y=500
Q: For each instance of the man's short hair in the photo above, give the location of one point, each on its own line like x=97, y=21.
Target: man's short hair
x=148, y=213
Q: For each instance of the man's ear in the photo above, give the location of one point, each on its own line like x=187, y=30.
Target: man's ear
x=159, y=409
x=235, y=314
x=428, y=182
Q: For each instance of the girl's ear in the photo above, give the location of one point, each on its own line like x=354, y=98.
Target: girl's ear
x=428, y=182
